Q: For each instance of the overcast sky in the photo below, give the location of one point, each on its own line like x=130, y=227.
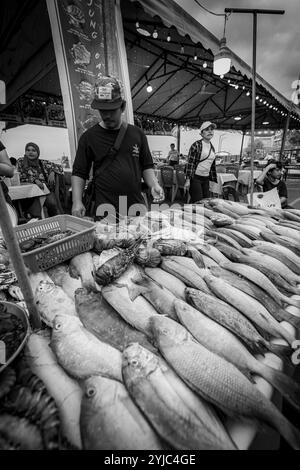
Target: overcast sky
x=278, y=36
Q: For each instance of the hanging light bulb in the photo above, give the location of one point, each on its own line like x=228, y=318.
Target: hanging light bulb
x=222, y=76
x=182, y=49
x=149, y=88
x=155, y=33
x=248, y=93
x=222, y=60
x=169, y=36
x=195, y=55
x=204, y=65
x=137, y=24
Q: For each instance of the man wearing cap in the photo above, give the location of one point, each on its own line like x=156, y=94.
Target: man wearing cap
x=119, y=176
x=201, y=167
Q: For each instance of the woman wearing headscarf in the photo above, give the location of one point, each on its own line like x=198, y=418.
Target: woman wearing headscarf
x=34, y=170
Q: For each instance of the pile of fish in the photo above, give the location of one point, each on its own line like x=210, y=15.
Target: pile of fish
x=163, y=334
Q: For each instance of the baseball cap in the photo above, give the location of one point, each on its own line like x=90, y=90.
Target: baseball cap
x=107, y=93
x=206, y=124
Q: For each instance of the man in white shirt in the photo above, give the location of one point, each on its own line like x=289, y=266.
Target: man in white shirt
x=201, y=166
x=173, y=156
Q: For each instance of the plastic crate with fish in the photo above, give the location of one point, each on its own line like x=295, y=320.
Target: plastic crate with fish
x=80, y=239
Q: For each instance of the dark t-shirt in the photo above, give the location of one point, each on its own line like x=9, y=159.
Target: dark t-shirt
x=281, y=187
x=124, y=174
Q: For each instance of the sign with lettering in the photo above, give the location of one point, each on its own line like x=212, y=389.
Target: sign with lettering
x=268, y=200
x=86, y=47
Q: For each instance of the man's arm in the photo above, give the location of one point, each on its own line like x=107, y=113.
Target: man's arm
x=6, y=168
x=260, y=179
x=151, y=181
x=78, y=184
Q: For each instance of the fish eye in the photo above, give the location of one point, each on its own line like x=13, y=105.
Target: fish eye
x=90, y=392
x=134, y=362
x=58, y=326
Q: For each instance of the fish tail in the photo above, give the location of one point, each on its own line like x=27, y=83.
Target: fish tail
x=289, y=432
x=291, y=301
x=284, y=352
x=293, y=320
x=288, y=387
x=197, y=257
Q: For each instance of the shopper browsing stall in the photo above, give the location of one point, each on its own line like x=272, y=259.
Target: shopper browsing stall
x=271, y=177
x=201, y=167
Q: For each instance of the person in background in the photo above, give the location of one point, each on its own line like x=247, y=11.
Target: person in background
x=271, y=177
x=117, y=177
x=7, y=170
x=201, y=167
x=173, y=156
x=34, y=170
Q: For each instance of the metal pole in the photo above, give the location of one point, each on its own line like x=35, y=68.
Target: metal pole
x=253, y=103
x=178, y=137
x=242, y=145
x=287, y=122
x=254, y=12
x=18, y=263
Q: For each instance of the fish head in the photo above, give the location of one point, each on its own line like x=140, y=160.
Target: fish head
x=138, y=361
x=167, y=332
x=65, y=324
x=45, y=287
x=83, y=295
x=96, y=388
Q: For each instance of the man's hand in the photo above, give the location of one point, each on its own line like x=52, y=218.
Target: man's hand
x=78, y=209
x=51, y=178
x=157, y=193
x=39, y=184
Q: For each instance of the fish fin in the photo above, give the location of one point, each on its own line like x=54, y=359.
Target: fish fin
x=197, y=257
x=133, y=291
x=294, y=302
x=288, y=387
x=293, y=320
x=280, y=350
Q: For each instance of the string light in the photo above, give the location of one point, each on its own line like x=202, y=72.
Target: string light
x=248, y=93
x=195, y=55
x=169, y=36
x=204, y=65
x=182, y=49
x=155, y=33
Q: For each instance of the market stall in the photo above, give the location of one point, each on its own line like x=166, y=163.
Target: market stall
x=158, y=331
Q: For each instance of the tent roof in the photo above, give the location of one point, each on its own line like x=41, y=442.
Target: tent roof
x=184, y=92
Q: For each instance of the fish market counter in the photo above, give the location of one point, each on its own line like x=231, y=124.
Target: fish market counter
x=152, y=314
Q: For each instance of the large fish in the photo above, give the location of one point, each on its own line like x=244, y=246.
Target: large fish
x=82, y=266
x=223, y=237
x=136, y=312
x=273, y=264
x=178, y=248
x=158, y=296
x=234, y=321
x=240, y=237
x=260, y=279
x=249, y=307
x=221, y=341
x=170, y=282
x=185, y=424
x=284, y=241
x=101, y=319
x=51, y=300
x=286, y=232
x=212, y=252
x=110, y=420
x=186, y=275
x=257, y=263
x=259, y=294
x=217, y=380
x=283, y=254
x=80, y=353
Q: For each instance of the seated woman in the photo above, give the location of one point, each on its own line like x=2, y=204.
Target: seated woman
x=271, y=177
x=42, y=173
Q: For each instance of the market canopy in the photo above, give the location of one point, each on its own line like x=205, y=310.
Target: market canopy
x=177, y=64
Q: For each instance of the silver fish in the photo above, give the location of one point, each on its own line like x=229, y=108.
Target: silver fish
x=217, y=380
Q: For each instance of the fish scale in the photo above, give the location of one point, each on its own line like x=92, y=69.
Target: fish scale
x=216, y=380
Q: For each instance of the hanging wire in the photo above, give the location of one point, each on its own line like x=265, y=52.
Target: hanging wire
x=211, y=12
